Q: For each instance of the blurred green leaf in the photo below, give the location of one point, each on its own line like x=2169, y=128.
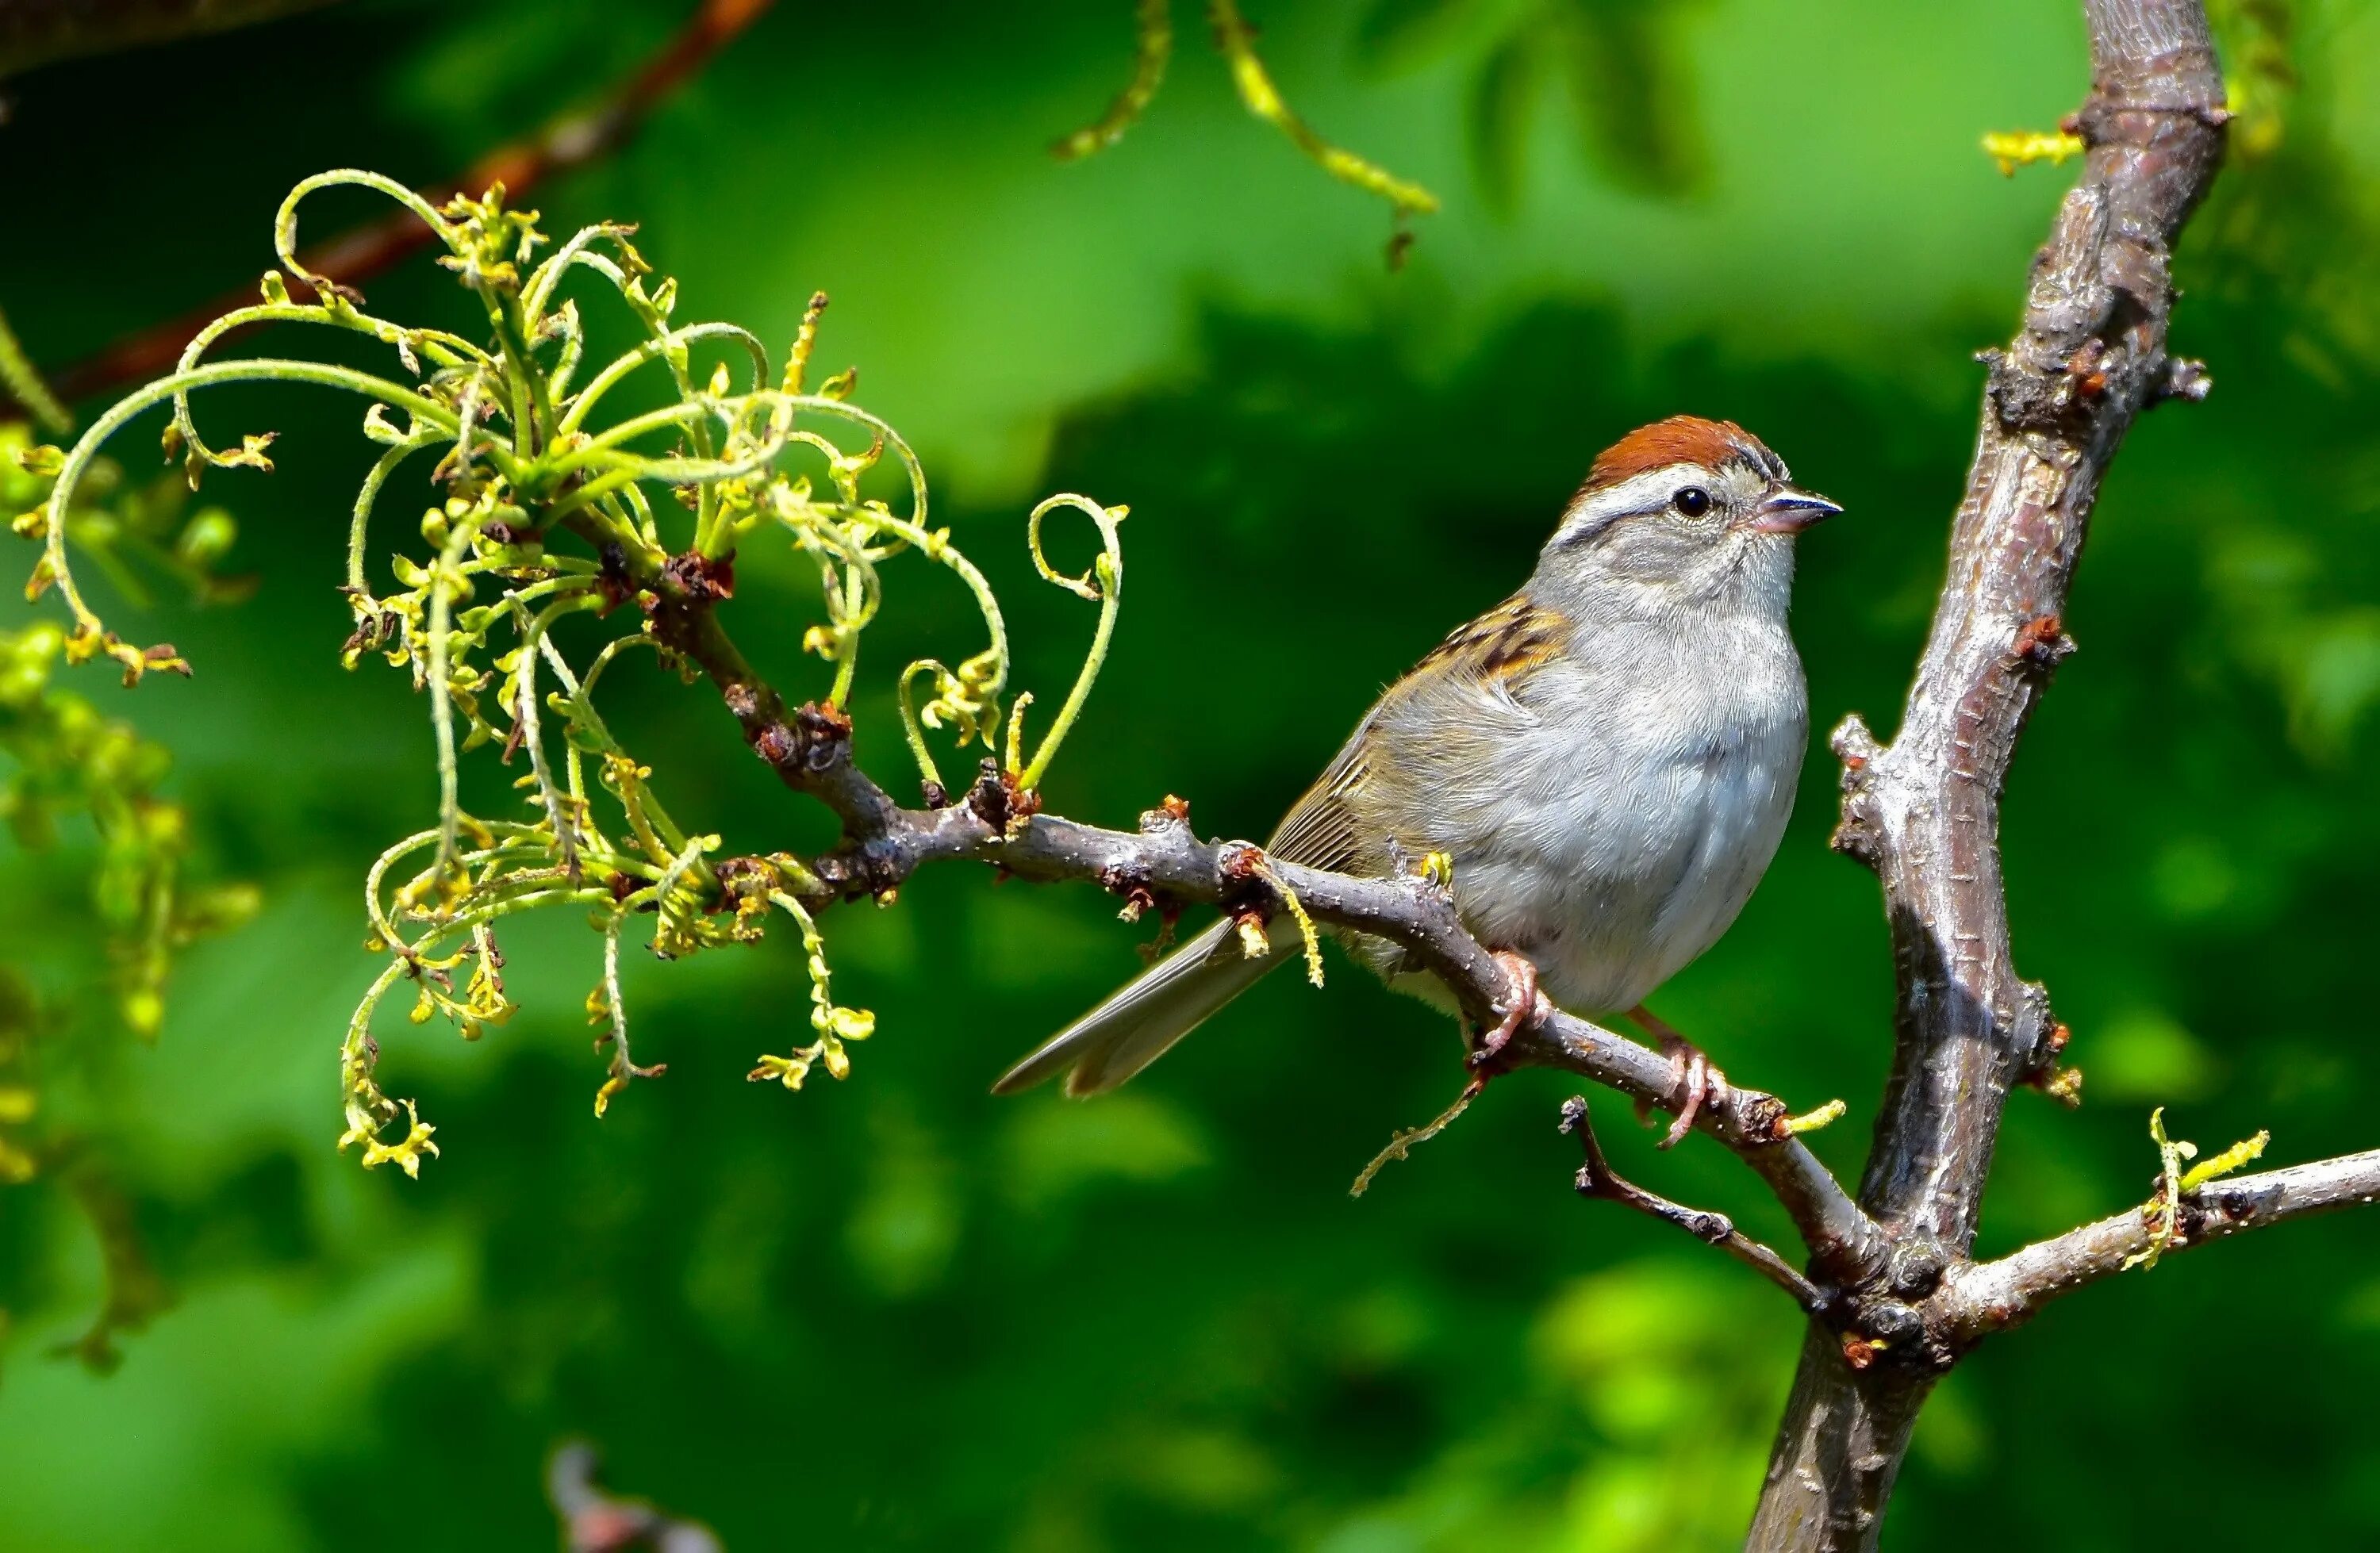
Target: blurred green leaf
x=1397, y=32
x=1633, y=97
x=2143, y=1055
x=1504, y=101
x=1051, y=1151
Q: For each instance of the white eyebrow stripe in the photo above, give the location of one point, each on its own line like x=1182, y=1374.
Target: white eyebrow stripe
x=1591, y=512
x=1646, y=492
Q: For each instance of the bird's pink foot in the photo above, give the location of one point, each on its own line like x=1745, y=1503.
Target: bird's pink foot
x=1523, y=1004
x=1690, y=1067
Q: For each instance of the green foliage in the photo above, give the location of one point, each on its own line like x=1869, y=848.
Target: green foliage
x=524, y=459
x=1633, y=103
x=67, y=762
x=1236, y=40
x=68, y=772
x=25, y=385
x=2161, y=1213
x=901, y=1315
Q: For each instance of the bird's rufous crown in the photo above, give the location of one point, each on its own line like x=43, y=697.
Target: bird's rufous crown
x=1682, y=439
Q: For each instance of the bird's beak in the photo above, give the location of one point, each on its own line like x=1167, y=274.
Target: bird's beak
x=1788, y=511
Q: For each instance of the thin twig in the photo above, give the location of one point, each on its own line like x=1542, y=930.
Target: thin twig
x=1987, y=1297
x=1401, y=1145
x=569, y=142
x=883, y=843
x=1237, y=39
x=1597, y=1179
x=38, y=32
x=1155, y=29
x=24, y=385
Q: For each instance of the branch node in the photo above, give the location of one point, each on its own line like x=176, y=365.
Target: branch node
x=1915, y=1267
x=997, y=801
x=1857, y=833
x=2041, y=1071
x=2185, y=378
x=1596, y=1178
x=2042, y=643
x=701, y=580
x=1761, y=1118
x=1129, y=880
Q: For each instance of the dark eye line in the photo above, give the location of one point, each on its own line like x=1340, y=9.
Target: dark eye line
x=1676, y=501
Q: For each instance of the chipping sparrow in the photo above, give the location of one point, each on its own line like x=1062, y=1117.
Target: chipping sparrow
x=1608, y=758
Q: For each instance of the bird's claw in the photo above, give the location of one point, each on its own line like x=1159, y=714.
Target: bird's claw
x=1690, y=1069
x=1705, y=1084
x=1523, y=1004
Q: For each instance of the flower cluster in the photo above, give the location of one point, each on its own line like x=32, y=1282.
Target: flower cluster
x=548, y=507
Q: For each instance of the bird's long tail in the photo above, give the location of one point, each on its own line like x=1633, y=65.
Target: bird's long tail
x=1147, y=1015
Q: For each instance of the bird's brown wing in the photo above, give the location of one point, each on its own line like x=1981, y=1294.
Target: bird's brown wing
x=1327, y=829
x=1320, y=829
x=1515, y=636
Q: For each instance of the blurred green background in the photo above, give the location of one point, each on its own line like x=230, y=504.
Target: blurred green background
x=893, y=1313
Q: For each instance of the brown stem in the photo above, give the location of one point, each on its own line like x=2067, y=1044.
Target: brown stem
x=38, y=32
x=1597, y=1179
x=1923, y=811
x=810, y=748
x=1982, y=1298
x=571, y=141
x=1839, y=1450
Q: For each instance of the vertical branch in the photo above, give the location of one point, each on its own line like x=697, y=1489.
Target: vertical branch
x=1923, y=811
x=1838, y=1451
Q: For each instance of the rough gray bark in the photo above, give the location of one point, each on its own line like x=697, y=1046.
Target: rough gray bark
x=1923, y=811
x=1839, y=1450
x=1979, y=1299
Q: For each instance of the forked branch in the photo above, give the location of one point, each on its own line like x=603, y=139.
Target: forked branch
x=1984, y=1298
x=1923, y=811
x=1597, y=1179
x=1164, y=862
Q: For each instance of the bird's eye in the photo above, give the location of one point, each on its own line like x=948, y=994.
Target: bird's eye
x=1693, y=500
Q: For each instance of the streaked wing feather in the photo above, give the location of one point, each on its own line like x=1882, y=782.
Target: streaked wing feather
x=1516, y=635
x=1325, y=829
x=1320, y=829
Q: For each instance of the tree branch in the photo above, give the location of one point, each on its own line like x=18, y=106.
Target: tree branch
x=1982, y=1298
x=571, y=141
x=1597, y=1179
x=1164, y=863
x=38, y=32
x=1923, y=811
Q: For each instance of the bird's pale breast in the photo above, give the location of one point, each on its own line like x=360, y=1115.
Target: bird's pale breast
x=1610, y=812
